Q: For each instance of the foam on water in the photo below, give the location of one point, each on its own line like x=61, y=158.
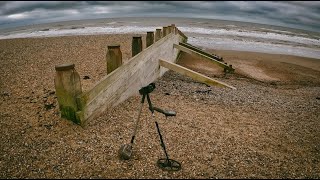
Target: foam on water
x=81, y=31
x=251, y=46
x=245, y=40
x=255, y=34
x=288, y=32
x=112, y=22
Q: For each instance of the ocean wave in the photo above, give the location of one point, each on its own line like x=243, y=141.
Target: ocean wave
x=215, y=38
x=255, y=34
x=82, y=31
x=244, y=45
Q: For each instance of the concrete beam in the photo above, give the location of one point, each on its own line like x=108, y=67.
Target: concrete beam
x=194, y=75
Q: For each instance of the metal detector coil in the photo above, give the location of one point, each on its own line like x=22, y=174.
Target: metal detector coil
x=169, y=164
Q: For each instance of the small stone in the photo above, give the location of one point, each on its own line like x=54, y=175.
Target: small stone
x=5, y=93
x=86, y=77
x=48, y=126
x=49, y=106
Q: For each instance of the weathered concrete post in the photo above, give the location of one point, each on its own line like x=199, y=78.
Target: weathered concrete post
x=136, y=45
x=150, y=38
x=113, y=58
x=164, y=31
x=158, y=35
x=68, y=87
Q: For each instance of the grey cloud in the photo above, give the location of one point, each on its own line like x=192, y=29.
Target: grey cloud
x=23, y=6
x=292, y=14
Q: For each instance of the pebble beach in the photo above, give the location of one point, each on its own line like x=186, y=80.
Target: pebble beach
x=267, y=128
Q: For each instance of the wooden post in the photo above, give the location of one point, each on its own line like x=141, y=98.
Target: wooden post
x=113, y=58
x=173, y=26
x=68, y=87
x=136, y=45
x=169, y=30
x=150, y=38
x=164, y=31
x=158, y=35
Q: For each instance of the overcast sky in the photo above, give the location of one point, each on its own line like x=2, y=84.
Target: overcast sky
x=296, y=14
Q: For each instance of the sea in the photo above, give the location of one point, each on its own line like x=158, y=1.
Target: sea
x=203, y=33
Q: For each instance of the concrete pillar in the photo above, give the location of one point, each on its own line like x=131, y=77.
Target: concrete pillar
x=113, y=58
x=150, y=38
x=164, y=31
x=136, y=45
x=158, y=35
x=68, y=87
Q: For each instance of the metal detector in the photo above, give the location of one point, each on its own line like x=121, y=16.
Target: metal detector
x=126, y=150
